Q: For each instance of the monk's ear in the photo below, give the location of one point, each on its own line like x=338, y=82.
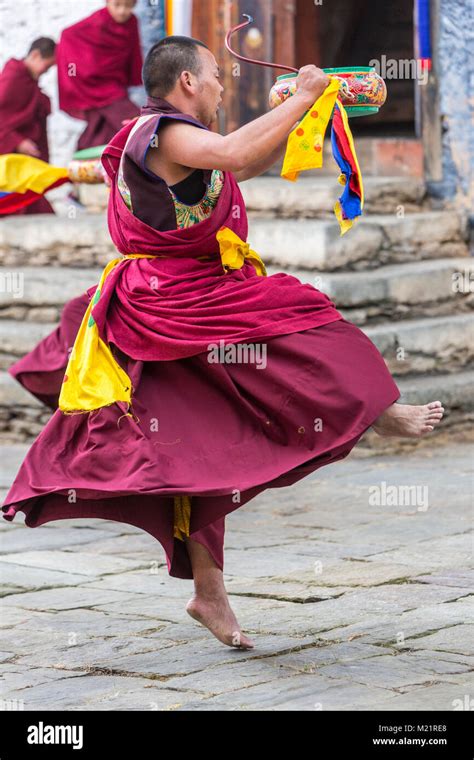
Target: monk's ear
x=186, y=79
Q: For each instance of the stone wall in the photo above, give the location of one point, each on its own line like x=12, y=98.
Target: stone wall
x=456, y=77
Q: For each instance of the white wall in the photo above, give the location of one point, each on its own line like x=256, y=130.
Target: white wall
x=21, y=21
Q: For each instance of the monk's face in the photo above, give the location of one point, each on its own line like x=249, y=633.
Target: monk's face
x=209, y=90
x=120, y=10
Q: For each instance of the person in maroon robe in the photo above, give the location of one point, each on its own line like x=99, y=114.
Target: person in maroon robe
x=24, y=109
x=215, y=432
x=98, y=59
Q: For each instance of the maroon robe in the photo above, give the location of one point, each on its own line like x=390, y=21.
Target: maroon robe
x=220, y=432
x=24, y=108
x=98, y=59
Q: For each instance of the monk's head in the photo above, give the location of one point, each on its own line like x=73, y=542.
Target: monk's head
x=120, y=10
x=41, y=56
x=184, y=72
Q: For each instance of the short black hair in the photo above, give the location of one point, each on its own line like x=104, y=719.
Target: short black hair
x=45, y=45
x=166, y=60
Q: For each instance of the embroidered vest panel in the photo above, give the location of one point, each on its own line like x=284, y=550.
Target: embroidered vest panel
x=147, y=195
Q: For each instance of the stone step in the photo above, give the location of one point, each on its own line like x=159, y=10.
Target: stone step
x=310, y=243
x=18, y=338
x=45, y=240
x=373, y=240
x=433, y=345
x=22, y=417
x=315, y=196
x=436, y=345
x=397, y=291
x=37, y=294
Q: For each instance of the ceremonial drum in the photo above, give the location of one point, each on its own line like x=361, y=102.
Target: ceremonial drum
x=362, y=90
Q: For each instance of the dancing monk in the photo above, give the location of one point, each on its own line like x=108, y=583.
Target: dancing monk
x=98, y=59
x=24, y=109
x=151, y=430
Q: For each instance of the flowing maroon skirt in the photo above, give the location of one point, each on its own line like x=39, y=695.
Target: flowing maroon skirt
x=220, y=433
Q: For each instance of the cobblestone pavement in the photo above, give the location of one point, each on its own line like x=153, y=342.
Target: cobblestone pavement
x=355, y=584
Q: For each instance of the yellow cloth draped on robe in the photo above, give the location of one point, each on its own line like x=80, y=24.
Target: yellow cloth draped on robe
x=94, y=379
x=182, y=516
x=234, y=251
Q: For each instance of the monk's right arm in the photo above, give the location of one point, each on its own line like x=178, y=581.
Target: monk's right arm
x=261, y=137
x=196, y=148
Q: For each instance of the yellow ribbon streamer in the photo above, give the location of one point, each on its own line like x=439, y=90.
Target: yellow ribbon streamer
x=304, y=149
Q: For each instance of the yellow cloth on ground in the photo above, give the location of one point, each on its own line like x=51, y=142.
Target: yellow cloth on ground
x=304, y=149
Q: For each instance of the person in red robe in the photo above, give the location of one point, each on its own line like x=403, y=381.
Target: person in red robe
x=203, y=436
x=24, y=109
x=98, y=59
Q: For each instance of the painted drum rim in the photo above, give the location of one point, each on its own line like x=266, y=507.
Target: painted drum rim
x=341, y=70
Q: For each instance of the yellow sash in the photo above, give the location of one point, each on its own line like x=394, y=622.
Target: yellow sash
x=234, y=251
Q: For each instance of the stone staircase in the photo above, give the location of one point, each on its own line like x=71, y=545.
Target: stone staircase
x=403, y=274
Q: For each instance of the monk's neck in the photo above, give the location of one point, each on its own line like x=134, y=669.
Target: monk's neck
x=180, y=106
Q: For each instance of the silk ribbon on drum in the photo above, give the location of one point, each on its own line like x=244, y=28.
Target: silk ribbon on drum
x=305, y=151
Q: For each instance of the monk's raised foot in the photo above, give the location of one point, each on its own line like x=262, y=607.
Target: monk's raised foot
x=216, y=615
x=409, y=421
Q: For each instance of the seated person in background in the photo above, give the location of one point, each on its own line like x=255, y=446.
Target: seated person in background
x=24, y=108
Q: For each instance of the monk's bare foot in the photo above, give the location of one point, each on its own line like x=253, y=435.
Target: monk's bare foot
x=216, y=614
x=409, y=421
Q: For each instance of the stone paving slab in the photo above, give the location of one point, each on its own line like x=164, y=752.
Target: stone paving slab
x=352, y=604
x=67, y=562
x=402, y=630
